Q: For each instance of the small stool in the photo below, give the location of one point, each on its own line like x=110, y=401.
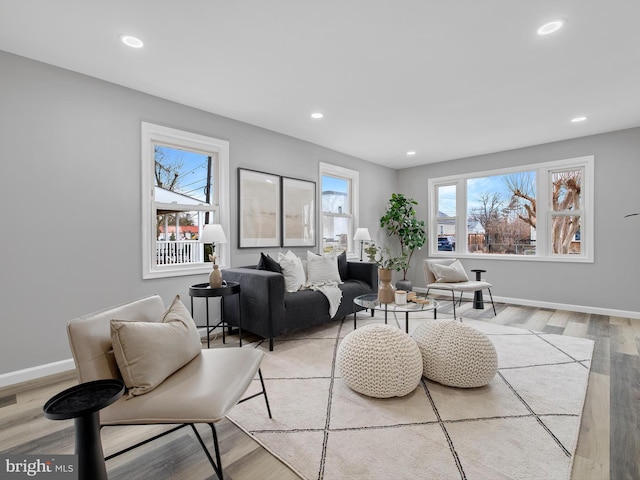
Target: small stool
x=380, y=361
x=455, y=354
x=83, y=403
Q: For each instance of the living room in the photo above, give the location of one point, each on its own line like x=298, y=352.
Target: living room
x=71, y=148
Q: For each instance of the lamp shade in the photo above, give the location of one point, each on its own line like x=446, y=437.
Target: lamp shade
x=362, y=234
x=213, y=234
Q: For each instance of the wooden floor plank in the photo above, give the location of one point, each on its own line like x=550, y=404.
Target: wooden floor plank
x=625, y=416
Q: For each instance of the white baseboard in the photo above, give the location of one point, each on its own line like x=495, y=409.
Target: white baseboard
x=552, y=305
x=33, y=373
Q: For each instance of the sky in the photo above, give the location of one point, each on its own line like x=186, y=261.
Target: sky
x=193, y=173
x=475, y=188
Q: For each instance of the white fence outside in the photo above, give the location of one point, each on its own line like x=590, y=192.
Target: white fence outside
x=178, y=252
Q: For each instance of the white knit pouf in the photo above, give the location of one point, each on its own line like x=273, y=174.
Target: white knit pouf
x=380, y=361
x=456, y=354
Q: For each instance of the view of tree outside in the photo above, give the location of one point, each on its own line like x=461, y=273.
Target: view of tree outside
x=566, y=199
x=505, y=206
x=188, y=174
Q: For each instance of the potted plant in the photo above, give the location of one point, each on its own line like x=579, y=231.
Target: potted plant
x=386, y=265
x=400, y=221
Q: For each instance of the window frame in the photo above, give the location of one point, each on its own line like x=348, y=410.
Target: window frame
x=330, y=170
x=151, y=135
x=544, y=211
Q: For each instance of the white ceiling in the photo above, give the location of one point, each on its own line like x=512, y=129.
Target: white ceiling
x=446, y=78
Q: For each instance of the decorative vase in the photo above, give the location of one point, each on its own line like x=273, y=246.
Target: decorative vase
x=385, y=289
x=404, y=285
x=215, y=277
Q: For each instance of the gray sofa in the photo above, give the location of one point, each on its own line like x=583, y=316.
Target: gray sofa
x=269, y=311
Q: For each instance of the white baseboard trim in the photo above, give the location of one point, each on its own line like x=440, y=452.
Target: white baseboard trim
x=33, y=373
x=551, y=305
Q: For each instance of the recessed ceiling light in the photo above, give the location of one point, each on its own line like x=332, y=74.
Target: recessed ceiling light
x=411, y=153
x=131, y=41
x=579, y=119
x=317, y=115
x=551, y=27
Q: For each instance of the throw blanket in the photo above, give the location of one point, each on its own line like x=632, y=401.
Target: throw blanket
x=330, y=290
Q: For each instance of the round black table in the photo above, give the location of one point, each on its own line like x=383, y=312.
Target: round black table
x=83, y=403
x=205, y=290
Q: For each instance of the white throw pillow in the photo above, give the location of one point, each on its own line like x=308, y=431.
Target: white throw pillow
x=148, y=352
x=453, y=273
x=292, y=270
x=322, y=268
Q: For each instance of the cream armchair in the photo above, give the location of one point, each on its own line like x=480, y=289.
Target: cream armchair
x=448, y=274
x=204, y=390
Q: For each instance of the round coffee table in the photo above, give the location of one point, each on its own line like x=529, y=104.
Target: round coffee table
x=371, y=302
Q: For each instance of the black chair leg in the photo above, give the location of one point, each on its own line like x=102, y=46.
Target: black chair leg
x=492, y=304
x=264, y=392
x=217, y=464
x=453, y=299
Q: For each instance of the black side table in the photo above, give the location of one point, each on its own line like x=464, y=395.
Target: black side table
x=205, y=290
x=83, y=403
x=478, y=302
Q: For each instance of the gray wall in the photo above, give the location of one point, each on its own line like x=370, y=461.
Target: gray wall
x=611, y=281
x=71, y=235
x=70, y=243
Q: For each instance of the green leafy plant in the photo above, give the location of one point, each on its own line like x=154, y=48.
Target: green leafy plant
x=400, y=221
x=383, y=258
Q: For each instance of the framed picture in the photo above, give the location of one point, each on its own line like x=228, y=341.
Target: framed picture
x=259, y=213
x=298, y=213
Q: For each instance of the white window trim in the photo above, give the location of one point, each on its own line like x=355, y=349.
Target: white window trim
x=156, y=134
x=353, y=175
x=543, y=212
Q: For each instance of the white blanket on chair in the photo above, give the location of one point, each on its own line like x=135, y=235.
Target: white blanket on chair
x=330, y=290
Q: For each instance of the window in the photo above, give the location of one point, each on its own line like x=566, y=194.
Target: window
x=541, y=211
x=184, y=186
x=339, y=207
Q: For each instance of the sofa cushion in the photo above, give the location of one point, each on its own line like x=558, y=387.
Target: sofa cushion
x=343, y=266
x=294, y=276
x=453, y=273
x=148, y=352
x=322, y=268
x=268, y=263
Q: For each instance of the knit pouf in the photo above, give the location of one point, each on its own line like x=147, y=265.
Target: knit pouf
x=456, y=354
x=380, y=361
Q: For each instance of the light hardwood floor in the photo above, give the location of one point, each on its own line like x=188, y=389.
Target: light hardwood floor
x=608, y=444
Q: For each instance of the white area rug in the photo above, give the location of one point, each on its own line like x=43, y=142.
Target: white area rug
x=523, y=425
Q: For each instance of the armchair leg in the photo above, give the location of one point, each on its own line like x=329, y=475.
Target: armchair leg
x=264, y=391
x=217, y=464
x=453, y=300
x=492, y=304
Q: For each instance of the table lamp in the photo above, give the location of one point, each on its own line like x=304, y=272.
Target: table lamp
x=213, y=234
x=362, y=234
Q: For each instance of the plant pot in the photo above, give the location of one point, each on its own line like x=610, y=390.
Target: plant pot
x=385, y=289
x=404, y=285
